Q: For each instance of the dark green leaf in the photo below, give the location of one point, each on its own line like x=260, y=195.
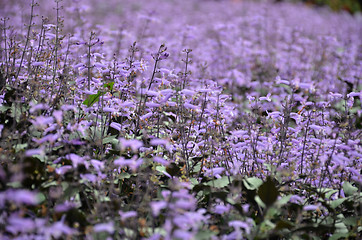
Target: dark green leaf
x=267, y=192
x=282, y=224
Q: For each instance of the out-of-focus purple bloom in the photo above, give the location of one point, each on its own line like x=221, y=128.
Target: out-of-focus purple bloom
x=127, y=104
x=236, y=224
x=51, y=138
x=221, y=209
x=310, y=207
x=37, y=64
x=76, y=159
x=66, y=107
x=157, y=207
x=152, y=93
x=188, y=92
x=63, y=169
x=161, y=161
x=22, y=196
x=133, y=163
x=296, y=199
x=59, y=229
x=267, y=98
x=316, y=127
x=58, y=115
x=158, y=141
x=183, y=234
x=65, y=206
x=336, y=95
x=116, y=126
x=191, y=106
x=109, y=109
x=104, y=227
x=152, y=105
x=89, y=177
x=98, y=165
x=215, y=171
x=37, y=107
x=147, y=115
x=20, y=225
x=282, y=81
x=134, y=144
x=32, y=152
x=126, y=215
x=42, y=122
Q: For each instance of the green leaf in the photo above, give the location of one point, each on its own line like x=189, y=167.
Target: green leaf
x=220, y=182
x=69, y=192
x=330, y=193
x=93, y=98
x=110, y=139
x=109, y=86
x=124, y=175
x=268, y=192
x=20, y=147
x=252, y=183
x=336, y=203
x=49, y=184
x=337, y=236
x=350, y=221
x=259, y=202
x=349, y=189
x=4, y=108
x=282, y=224
x=284, y=200
x=204, y=235
x=41, y=197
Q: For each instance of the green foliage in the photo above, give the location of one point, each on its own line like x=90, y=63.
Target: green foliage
x=93, y=98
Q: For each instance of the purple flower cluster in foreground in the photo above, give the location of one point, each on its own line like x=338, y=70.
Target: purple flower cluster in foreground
x=158, y=119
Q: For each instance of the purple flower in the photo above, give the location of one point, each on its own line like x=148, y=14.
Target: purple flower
x=191, y=106
x=20, y=225
x=134, y=144
x=116, y=126
x=65, y=206
x=236, y=224
x=104, y=227
x=183, y=234
x=59, y=229
x=58, y=115
x=22, y=196
x=109, y=109
x=157, y=207
x=32, y=152
x=161, y=161
x=42, y=122
x=126, y=215
x=310, y=207
x=133, y=163
x=63, y=169
x=147, y=115
x=188, y=92
x=76, y=159
x=37, y=107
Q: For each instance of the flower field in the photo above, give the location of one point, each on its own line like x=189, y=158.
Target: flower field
x=166, y=119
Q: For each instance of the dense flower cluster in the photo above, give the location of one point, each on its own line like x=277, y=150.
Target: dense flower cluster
x=179, y=120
